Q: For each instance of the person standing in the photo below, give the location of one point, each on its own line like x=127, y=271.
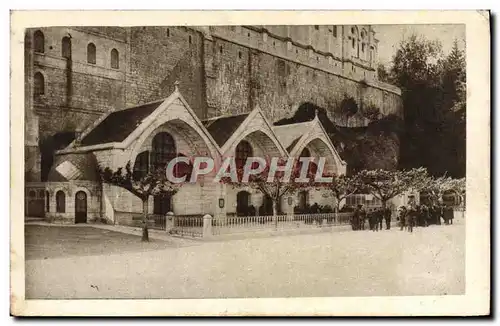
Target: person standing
x=387, y=216
x=402, y=217
x=362, y=218
x=411, y=218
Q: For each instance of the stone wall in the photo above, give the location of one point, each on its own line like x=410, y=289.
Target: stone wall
x=77, y=92
x=221, y=70
x=159, y=56
x=279, y=86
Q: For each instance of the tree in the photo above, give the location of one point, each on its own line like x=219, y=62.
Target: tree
x=371, y=112
x=348, y=106
x=436, y=187
x=279, y=186
x=433, y=95
x=342, y=187
x=383, y=74
x=142, y=185
x=386, y=185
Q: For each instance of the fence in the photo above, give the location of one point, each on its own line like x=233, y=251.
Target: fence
x=199, y=226
x=247, y=224
x=186, y=225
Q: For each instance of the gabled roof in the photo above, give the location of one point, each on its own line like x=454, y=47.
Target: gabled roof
x=118, y=125
x=222, y=128
x=292, y=145
x=290, y=134
x=119, y=129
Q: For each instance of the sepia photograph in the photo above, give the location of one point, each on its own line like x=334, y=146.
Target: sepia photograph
x=252, y=161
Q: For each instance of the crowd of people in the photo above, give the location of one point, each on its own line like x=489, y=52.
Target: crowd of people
x=407, y=217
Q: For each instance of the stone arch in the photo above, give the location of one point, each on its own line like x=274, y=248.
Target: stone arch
x=61, y=201
x=264, y=142
x=84, y=189
x=183, y=132
x=319, y=147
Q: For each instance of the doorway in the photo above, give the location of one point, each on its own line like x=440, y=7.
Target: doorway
x=81, y=207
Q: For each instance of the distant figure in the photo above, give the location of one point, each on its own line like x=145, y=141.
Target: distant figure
x=374, y=219
x=448, y=214
x=402, y=217
x=424, y=213
x=387, y=216
x=355, y=218
x=411, y=218
x=362, y=218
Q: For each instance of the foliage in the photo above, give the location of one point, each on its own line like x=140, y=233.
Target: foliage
x=434, y=97
x=436, y=187
x=343, y=186
x=152, y=183
x=386, y=185
x=280, y=185
x=371, y=111
x=348, y=106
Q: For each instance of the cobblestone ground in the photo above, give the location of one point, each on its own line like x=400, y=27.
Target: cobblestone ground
x=430, y=261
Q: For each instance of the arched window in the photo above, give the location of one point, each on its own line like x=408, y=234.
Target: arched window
x=32, y=194
x=163, y=149
x=60, y=202
x=39, y=84
x=115, y=59
x=66, y=47
x=91, y=53
x=303, y=199
x=39, y=42
x=305, y=153
x=141, y=165
x=243, y=151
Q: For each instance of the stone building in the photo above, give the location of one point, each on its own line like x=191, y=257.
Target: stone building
x=74, y=76
x=149, y=133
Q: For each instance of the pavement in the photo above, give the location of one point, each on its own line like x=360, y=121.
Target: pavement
x=429, y=261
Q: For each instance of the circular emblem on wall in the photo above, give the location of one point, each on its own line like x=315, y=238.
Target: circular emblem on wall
x=81, y=196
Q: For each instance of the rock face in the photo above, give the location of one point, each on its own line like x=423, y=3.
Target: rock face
x=375, y=146
x=222, y=70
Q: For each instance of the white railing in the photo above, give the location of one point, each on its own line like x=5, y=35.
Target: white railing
x=187, y=226
x=244, y=224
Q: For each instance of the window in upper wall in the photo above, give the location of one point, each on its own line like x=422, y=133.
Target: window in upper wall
x=39, y=42
x=66, y=47
x=115, y=59
x=168, y=32
x=353, y=43
x=316, y=27
x=39, y=84
x=334, y=31
x=190, y=39
x=91, y=53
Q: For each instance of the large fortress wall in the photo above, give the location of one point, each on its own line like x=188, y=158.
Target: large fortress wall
x=279, y=75
x=221, y=70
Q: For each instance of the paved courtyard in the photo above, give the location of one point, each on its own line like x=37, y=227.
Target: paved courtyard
x=362, y=263
x=43, y=242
